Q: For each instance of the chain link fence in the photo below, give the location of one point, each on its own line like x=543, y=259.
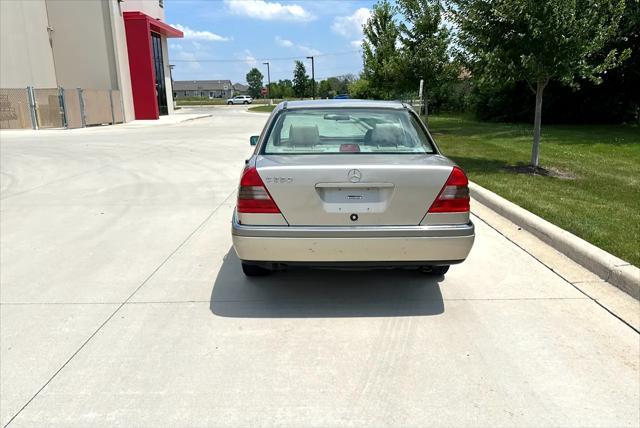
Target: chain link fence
x=15, y=109
x=52, y=108
x=49, y=113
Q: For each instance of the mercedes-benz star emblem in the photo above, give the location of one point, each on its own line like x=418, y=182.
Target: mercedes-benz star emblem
x=354, y=175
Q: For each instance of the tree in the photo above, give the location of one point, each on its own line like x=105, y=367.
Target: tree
x=425, y=47
x=254, y=80
x=360, y=88
x=381, y=59
x=333, y=86
x=300, y=80
x=535, y=41
x=324, y=89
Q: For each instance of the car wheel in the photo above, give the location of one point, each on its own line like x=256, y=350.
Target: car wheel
x=254, y=270
x=229, y=103
x=435, y=270
x=245, y=102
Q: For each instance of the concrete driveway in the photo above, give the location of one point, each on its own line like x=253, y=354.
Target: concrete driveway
x=123, y=303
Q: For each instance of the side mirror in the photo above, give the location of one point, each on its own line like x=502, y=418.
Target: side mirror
x=253, y=140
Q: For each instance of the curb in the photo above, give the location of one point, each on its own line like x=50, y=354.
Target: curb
x=610, y=268
x=195, y=118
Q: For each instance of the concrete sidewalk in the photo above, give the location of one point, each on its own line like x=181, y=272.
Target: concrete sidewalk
x=122, y=303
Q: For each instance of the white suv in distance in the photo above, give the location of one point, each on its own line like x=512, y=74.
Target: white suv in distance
x=240, y=99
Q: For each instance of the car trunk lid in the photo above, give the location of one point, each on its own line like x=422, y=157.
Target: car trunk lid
x=354, y=189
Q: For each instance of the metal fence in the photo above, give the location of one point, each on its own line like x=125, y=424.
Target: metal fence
x=51, y=108
x=15, y=109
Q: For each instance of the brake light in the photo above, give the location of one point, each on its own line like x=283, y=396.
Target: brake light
x=350, y=148
x=253, y=196
x=454, y=196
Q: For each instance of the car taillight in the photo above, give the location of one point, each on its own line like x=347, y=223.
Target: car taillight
x=253, y=197
x=454, y=196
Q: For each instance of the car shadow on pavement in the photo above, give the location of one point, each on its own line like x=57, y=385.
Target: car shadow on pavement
x=316, y=293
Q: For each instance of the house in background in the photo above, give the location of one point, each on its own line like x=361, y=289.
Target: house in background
x=203, y=88
x=240, y=89
x=115, y=51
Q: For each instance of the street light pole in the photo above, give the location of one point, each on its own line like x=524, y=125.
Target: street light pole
x=269, y=81
x=313, y=78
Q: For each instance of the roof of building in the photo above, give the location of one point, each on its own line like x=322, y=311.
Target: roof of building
x=195, y=85
x=240, y=87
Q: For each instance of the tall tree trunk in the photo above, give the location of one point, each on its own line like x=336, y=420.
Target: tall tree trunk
x=537, y=122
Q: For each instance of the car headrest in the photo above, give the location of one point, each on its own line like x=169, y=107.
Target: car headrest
x=304, y=135
x=387, y=134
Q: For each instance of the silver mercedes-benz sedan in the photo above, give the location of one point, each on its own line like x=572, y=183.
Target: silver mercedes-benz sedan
x=350, y=184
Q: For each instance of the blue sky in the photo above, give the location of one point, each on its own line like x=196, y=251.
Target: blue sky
x=243, y=33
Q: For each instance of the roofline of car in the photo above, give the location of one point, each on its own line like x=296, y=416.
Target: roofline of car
x=319, y=104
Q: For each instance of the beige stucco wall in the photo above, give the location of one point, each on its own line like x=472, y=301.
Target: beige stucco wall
x=122, y=59
x=148, y=7
x=82, y=44
x=25, y=53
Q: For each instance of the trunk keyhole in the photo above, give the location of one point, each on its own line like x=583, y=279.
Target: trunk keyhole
x=354, y=217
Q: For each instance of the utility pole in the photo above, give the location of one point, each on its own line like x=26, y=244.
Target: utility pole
x=268, y=81
x=313, y=78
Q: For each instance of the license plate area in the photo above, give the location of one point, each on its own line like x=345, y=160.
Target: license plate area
x=354, y=198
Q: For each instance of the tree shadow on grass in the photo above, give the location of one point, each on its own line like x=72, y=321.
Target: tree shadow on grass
x=307, y=293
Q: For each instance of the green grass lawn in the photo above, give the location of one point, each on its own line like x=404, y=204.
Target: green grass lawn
x=263, y=109
x=600, y=203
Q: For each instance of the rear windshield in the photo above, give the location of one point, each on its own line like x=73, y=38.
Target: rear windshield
x=346, y=131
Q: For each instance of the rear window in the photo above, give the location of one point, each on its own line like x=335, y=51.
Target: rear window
x=346, y=131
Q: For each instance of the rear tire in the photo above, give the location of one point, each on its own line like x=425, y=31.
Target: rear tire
x=245, y=102
x=435, y=270
x=254, y=270
x=229, y=103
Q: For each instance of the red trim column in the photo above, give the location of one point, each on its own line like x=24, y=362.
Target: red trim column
x=138, y=27
x=143, y=86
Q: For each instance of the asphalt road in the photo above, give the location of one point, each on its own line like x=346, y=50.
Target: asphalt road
x=122, y=303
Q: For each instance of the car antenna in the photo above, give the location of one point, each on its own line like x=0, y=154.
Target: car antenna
x=284, y=107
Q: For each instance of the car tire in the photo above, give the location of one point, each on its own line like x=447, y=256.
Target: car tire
x=435, y=270
x=245, y=102
x=229, y=103
x=254, y=270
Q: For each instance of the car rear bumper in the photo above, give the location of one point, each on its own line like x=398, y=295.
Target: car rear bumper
x=398, y=245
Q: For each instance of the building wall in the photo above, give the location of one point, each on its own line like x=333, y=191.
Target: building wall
x=167, y=75
x=206, y=93
x=122, y=59
x=86, y=46
x=148, y=7
x=83, y=48
x=25, y=53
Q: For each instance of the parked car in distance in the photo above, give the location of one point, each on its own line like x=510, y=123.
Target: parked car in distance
x=342, y=97
x=350, y=184
x=240, y=99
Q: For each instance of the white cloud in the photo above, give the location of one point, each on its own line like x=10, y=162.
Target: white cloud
x=309, y=51
x=289, y=44
x=249, y=59
x=190, y=60
x=267, y=11
x=284, y=42
x=356, y=44
x=351, y=25
x=200, y=35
